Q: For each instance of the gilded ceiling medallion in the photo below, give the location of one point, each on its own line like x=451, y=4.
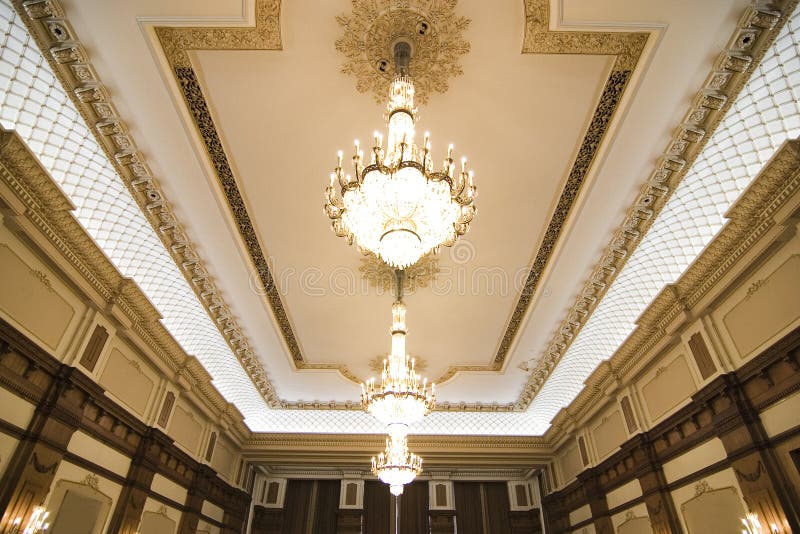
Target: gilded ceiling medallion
x=433, y=29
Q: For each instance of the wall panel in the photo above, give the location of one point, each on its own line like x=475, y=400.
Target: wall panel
x=32, y=297
x=127, y=378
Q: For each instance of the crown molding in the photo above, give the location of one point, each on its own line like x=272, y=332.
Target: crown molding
x=760, y=217
x=756, y=31
x=42, y=213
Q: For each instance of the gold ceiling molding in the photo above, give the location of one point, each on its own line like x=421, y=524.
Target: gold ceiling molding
x=458, y=455
x=178, y=42
x=755, y=32
x=626, y=48
x=47, y=24
x=435, y=33
x=267, y=441
x=42, y=207
x=753, y=217
x=45, y=19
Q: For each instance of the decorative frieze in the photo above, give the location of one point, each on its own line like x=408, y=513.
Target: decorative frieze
x=756, y=31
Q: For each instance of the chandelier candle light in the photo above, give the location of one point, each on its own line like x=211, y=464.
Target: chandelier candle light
x=397, y=206
x=396, y=466
x=402, y=398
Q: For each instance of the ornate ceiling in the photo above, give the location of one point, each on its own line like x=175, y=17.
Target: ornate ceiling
x=222, y=121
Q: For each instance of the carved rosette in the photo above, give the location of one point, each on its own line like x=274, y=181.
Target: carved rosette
x=433, y=29
x=381, y=276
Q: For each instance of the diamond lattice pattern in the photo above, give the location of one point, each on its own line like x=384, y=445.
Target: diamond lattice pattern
x=33, y=103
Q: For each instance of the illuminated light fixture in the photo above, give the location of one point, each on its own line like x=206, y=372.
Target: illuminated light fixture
x=752, y=525
x=397, y=206
x=402, y=398
x=396, y=466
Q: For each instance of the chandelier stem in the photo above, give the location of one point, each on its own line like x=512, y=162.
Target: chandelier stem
x=399, y=276
x=402, y=57
x=397, y=514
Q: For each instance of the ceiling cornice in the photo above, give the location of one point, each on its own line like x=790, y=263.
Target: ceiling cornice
x=757, y=29
x=45, y=207
x=48, y=25
x=624, y=46
x=757, y=219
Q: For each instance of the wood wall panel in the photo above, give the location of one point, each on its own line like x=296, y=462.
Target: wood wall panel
x=67, y=401
x=718, y=430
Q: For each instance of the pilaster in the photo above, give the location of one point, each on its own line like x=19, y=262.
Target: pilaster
x=33, y=465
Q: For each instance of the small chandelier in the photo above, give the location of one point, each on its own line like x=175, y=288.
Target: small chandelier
x=397, y=206
x=402, y=398
x=396, y=466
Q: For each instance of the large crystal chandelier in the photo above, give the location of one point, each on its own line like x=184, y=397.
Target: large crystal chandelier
x=402, y=398
x=396, y=205
x=396, y=466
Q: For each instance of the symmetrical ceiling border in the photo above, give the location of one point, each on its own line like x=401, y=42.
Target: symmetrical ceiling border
x=70, y=63
x=47, y=24
x=626, y=47
x=757, y=29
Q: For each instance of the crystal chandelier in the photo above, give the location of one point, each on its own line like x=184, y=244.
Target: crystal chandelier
x=397, y=206
x=402, y=398
x=396, y=466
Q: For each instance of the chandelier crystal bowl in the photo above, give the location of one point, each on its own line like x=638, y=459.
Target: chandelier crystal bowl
x=396, y=205
x=396, y=466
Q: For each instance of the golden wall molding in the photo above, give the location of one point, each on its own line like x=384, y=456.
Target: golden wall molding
x=751, y=221
x=455, y=455
x=266, y=440
x=753, y=36
x=39, y=209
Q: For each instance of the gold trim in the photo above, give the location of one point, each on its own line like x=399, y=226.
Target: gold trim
x=750, y=219
x=70, y=63
x=755, y=32
x=433, y=30
x=625, y=46
x=46, y=23
x=45, y=213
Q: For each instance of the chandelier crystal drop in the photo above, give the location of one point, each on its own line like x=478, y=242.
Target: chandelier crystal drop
x=396, y=205
x=402, y=398
x=396, y=466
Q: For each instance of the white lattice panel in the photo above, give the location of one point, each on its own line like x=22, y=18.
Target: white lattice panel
x=34, y=104
x=765, y=114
